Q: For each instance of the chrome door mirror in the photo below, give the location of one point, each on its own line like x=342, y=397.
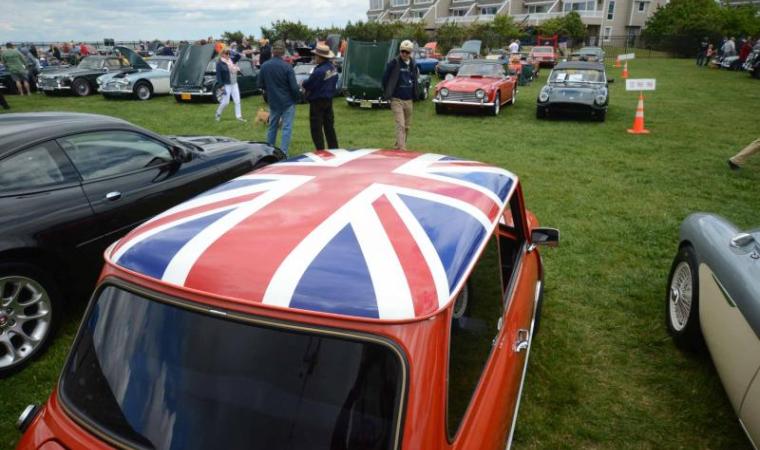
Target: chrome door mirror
x=544, y=236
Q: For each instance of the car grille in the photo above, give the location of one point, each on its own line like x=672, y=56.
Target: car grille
x=47, y=82
x=461, y=97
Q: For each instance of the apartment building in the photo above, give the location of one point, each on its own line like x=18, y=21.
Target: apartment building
x=604, y=19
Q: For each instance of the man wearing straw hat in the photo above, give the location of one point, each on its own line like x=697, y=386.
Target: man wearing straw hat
x=320, y=90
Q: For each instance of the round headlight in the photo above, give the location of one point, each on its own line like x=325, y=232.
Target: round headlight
x=543, y=96
x=600, y=99
x=480, y=93
x=444, y=92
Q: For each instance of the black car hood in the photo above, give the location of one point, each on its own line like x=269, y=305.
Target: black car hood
x=574, y=92
x=72, y=72
x=190, y=66
x=209, y=144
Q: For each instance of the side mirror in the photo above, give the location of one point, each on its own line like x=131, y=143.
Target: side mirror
x=544, y=236
x=181, y=155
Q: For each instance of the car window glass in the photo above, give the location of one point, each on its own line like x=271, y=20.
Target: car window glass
x=472, y=333
x=107, y=153
x=113, y=63
x=31, y=168
x=510, y=241
x=245, y=68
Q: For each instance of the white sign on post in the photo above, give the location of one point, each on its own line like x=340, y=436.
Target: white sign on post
x=640, y=84
x=627, y=56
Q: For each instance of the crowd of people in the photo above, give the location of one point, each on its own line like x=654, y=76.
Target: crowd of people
x=708, y=53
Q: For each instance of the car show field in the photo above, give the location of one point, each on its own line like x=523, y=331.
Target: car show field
x=603, y=371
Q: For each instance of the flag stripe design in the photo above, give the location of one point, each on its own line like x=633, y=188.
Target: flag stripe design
x=374, y=234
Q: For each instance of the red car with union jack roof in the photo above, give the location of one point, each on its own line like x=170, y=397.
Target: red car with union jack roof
x=369, y=299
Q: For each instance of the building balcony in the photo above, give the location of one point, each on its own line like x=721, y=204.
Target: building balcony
x=588, y=17
x=466, y=19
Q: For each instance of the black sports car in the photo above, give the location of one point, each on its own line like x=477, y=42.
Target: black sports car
x=453, y=61
x=194, y=75
x=81, y=79
x=70, y=185
x=575, y=87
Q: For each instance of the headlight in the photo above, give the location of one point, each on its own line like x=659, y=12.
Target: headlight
x=600, y=99
x=480, y=93
x=123, y=81
x=544, y=94
x=444, y=92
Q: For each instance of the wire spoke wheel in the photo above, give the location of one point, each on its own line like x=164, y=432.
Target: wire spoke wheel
x=680, y=296
x=25, y=318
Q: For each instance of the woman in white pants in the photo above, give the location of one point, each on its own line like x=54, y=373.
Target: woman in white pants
x=226, y=74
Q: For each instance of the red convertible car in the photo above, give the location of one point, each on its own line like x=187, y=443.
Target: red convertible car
x=364, y=300
x=481, y=84
x=544, y=55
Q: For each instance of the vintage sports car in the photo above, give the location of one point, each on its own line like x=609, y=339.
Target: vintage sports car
x=144, y=80
x=194, y=75
x=481, y=84
x=590, y=54
x=544, y=55
x=363, y=68
x=70, y=185
x=575, y=87
x=449, y=66
x=80, y=80
x=33, y=69
x=713, y=298
x=391, y=304
x=424, y=61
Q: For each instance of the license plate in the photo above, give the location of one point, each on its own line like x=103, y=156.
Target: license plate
x=186, y=96
x=365, y=104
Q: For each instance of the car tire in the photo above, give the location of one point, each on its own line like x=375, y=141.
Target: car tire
x=425, y=93
x=49, y=93
x=514, y=95
x=460, y=311
x=541, y=113
x=601, y=116
x=81, y=87
x=682, y=300
x=440, y=109
x=496, y=108
x=143, y=90
x=25, y=290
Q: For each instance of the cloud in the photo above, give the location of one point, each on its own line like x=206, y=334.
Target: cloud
x=125, y=20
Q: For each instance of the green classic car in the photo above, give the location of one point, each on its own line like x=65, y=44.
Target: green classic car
x=363, y=70
x=194, y=75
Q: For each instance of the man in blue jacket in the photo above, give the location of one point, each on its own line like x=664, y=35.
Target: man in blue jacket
x=400, y=86
x=320, y=90
x=278, y=80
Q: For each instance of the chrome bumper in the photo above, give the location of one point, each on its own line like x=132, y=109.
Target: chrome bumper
x=456, y=102
x=106, y=89
x=374, y=102
x=56, y=87
x=192, y=92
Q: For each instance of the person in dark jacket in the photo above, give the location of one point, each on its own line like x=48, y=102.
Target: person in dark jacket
x=400, y=86
x=4, y=103
x=702, y=54
x=281, y=91
x=320, y=90
x=265, y=51
x=226, y=75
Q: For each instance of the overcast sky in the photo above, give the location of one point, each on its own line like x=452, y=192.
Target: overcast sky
x=91, y=20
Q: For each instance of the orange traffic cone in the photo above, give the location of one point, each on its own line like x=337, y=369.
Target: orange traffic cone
x=638, y=121
x=617, y=61
x=625, y=71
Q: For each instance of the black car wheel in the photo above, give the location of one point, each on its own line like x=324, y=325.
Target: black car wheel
x=496, y=108
x=143, y=90
x=541, y=113
x=440, y=109
x=514, y=95
x=461, y=310
x=29, y=303
x=601, y=115
x=81, y=87
x=682, y=300
x=425, y=93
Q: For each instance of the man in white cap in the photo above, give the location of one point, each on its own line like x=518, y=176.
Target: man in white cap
x=320, y=90
x=400, y=86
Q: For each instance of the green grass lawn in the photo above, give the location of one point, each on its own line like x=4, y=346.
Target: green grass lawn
x=603, y=372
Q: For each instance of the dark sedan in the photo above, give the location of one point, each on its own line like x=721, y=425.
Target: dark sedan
x=454, y=59
x=81, y=79
x=70, y=185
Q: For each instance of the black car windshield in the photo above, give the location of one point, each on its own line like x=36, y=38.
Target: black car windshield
x=458, y=55
x=304, y=69
x=91, y=63
x=160, y=376
x=483, y=70
x=576, y=76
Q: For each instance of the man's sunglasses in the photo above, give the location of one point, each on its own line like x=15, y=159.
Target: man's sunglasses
x=406, y=51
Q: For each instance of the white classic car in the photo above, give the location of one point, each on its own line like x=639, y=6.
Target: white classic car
x=142, y=80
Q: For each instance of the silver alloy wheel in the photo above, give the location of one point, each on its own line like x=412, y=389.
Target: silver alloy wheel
x=25, y=318
x=497, y=104
x=680, y=296
x=460, y=304
x=514, y=95
x=82, y=88
x=143, y=92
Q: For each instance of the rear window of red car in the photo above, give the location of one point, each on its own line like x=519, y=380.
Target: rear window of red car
x=543, y=50
x=159, y=375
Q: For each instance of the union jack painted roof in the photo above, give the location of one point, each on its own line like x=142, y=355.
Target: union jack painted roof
x=377, y=234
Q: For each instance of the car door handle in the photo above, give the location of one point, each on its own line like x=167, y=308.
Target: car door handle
x=523, y=340
x=113, y=196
